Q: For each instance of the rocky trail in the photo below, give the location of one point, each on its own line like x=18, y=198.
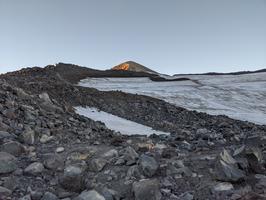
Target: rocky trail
x=48, y=152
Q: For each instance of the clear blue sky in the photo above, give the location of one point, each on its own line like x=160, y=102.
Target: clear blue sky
x=173, y=36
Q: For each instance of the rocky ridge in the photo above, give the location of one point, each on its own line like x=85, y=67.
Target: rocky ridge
x=49, y=152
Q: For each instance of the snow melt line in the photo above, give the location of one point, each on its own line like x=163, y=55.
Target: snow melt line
x=116, y=123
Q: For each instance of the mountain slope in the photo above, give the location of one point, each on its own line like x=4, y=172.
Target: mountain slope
x=133, y=66
x=50, y=152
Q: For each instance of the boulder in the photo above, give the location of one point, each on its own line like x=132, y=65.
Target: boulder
x=14, y=148
x=34, y=168
x=147, y=189
x=8, y=163
x=148, y=165
x=130, y=156
x=97, y=164
x=73, y=179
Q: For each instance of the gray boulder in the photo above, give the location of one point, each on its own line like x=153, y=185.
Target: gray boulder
x=97, y=164
x=130, y=156
x=34, y=168
x=149, y=165
x=147, y=189
x=8, y=163
x=73, y=179
x=227, y=168
x=14, y=148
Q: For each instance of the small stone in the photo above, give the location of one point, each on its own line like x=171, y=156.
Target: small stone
x=5, y=135
x=7, y=163
x=147, y=189
x=53, y=162
x=45, y=138
x=28, y=136
x=36, y=195
x=27, y=197
x=4, y=192
x=10, y=182
x=133, y=172
x=110, y=154
x=90, y=195
x=49, y=196
x=148, y=165
x=60, y=150
x=223, y=187
x=186, y=196
x=45, y=97
x=34, y=168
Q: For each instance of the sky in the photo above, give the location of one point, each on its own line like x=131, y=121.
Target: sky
x=173, y=36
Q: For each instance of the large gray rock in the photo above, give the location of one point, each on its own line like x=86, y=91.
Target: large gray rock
x=149, y=165
x=147, y=189
x=97, y=164
x=90, y=195
x=227, y=168
x=49, y=196
x=8, y=163
x=130, y=156
x=73, y=179
x=34, y=168
x=14, y=148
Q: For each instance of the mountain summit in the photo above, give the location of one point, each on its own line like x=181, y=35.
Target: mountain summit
x=133, y=66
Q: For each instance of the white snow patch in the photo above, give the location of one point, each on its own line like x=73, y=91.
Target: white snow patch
x=116, y=123
x=240, y=97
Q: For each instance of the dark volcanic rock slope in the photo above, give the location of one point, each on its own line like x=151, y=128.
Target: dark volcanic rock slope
x=49, y=152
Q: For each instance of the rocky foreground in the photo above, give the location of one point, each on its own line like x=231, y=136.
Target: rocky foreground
x=48, y=152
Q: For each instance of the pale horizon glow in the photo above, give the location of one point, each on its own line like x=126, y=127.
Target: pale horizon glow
x=171, y=37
